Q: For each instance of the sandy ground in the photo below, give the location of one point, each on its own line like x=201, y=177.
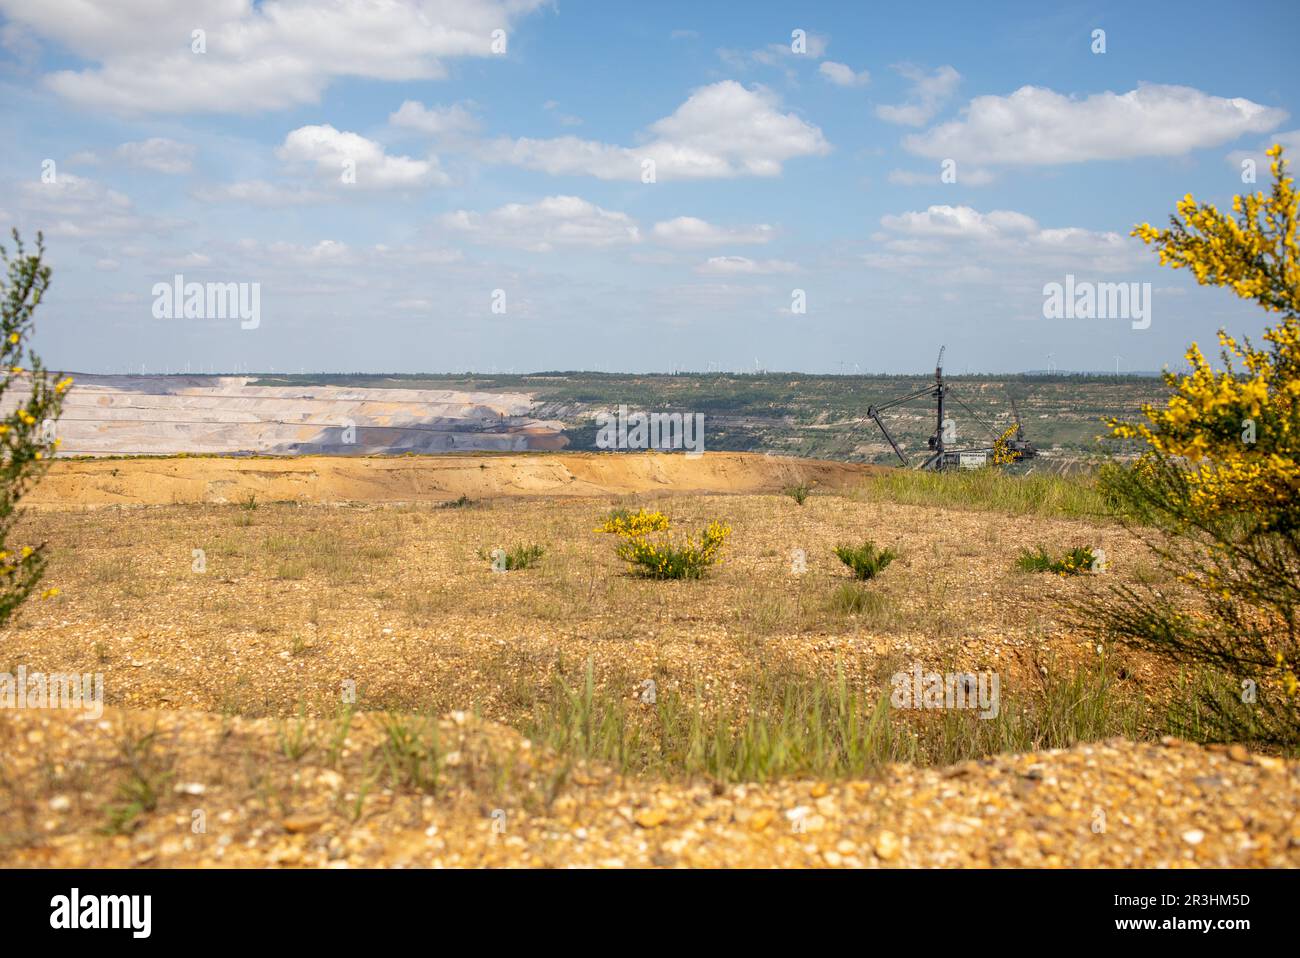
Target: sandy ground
x=222, y=678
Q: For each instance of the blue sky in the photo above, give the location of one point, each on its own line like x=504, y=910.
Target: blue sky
x=478, y=171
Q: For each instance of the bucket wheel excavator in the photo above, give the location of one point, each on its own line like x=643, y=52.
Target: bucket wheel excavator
x=1009, y=445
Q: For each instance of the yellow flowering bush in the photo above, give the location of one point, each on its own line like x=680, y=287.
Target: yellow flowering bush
x=649, y=553
x=1218, y=481
x=25, y=442
x=621, y=522
x=1239, y=429
x=1003, y=454
x=1077, y=561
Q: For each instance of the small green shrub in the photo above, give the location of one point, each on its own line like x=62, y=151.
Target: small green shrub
x=1077, y=560
x=799, y=493
x=866, y=561
x=517, y=557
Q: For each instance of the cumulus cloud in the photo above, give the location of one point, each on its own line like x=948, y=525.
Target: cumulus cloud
x=1290, y=141
x=732, y=265
x=843, y=75
x=995, y=245
x=74, y=206
x=261, y=193
x=777, y=55
x=959, y=221
x=324, y=252
x=966, y=177
x=1035, y=125
x=191, y=260
x=556, y=221
x=928, y=93
x=437, y=121
x=266, y=56
x=159, y=154
x=689, y=231
x=722, y=130
x=329, y=152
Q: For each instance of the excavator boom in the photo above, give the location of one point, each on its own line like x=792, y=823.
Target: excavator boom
x=874, y=414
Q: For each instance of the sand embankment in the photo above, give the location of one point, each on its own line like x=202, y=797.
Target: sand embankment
x=330, y=479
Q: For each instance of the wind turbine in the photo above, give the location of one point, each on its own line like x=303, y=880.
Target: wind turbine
x=1117, y=359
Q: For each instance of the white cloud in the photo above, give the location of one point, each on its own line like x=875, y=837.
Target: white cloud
x=928, y=93
x=995, y=245
x=415, y=255
x=731, y=265
x=552, y=222
x=722, y=130
x=842, y=75
x=159, y=154
x=778, y=55
x=264, y=56
x=386, y=261
x=261, y=193
x=74, y=206
x=1290, y=141
x=690, y=231
x=190, y=260
x=959, y=221
x=438, y=121
x=565, y=119
x=327, y=150
x=321, y=253
x=1035, y=125
x=965, y=177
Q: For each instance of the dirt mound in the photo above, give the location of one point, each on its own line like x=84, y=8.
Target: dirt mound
x=323, y=479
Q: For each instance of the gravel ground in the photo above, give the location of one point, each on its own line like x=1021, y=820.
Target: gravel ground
x=228, y=793
x=226, y=634
x=293, y=601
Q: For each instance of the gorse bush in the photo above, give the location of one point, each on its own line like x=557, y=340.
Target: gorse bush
x=1220, y=479
x=648, y=551
x=664, y=559
x=1078, y=560
x=865, y=561
x=26, y=433
x=622, y=522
